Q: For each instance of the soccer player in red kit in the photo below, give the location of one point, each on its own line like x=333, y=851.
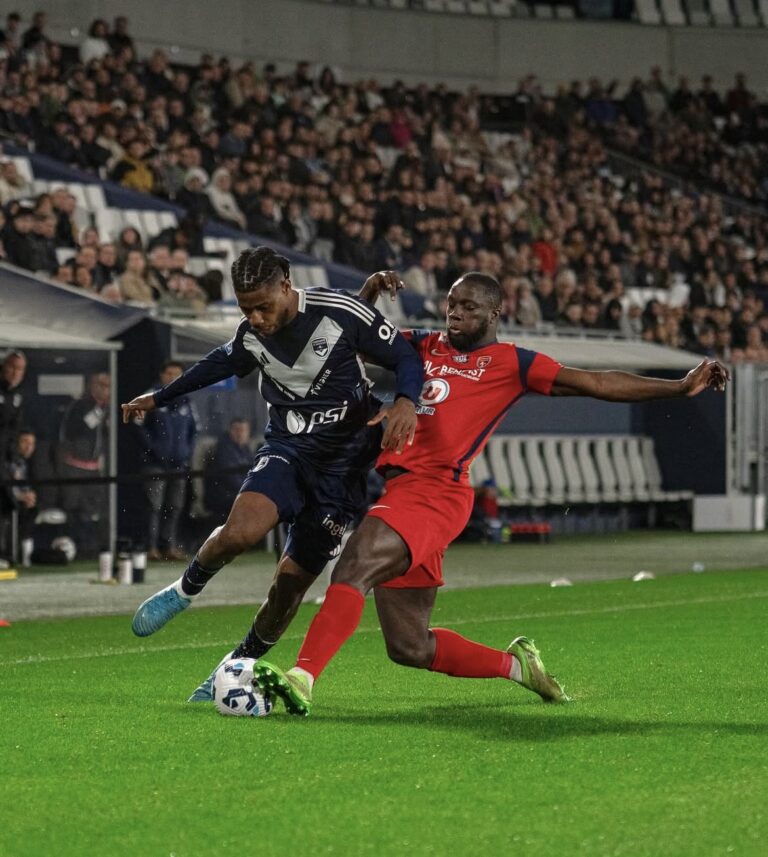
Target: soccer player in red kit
x=471, y=381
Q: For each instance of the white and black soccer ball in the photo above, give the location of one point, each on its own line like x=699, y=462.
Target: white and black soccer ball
x=66, y=546
x=236, y=693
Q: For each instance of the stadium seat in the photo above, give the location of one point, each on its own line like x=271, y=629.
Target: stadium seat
x=672, y=12
x=543, y=11
x=746, y=14
x=589, y=475
x=637, y=468
x=456, y=7
x=167, y=219
x=605, y=471
x=23, y=168
x=479, y=472
x=94, y=195
x=553, y=465
x=653, y=475
x=540, y=489
x=628, y=491
x=107, y=223
x=499, y=464
x=151, y=223
x=698, y=13
x=574, y=484
x=132, y=217
x=64, y=254
x=564, y=13
x=501, y=8
x=762, y=7
x=434, y=5
x=477, y=7
x=722, y=16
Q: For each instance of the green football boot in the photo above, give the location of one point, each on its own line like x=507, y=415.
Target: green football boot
x=535, y=676
x=293, y=689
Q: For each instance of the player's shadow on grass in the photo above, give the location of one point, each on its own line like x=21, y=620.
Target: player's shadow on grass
x=505, y=722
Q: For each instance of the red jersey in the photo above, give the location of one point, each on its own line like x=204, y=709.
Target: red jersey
x=464, y=398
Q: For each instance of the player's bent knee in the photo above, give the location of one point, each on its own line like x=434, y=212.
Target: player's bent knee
x=236, y=539
x=408, y=654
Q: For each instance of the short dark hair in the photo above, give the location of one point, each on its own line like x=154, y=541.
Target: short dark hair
x=257, y=267
x=168, y=363
x=487, y=284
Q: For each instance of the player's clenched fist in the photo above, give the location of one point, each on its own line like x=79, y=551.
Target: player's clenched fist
x=401, y=424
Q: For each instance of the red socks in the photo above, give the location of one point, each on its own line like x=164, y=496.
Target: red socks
x=331, y=628
x=456, y=655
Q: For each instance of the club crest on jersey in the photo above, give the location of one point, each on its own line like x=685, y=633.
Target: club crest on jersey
x=482, y=362
x=320, y=346
x=460, y=358
x=434, y=391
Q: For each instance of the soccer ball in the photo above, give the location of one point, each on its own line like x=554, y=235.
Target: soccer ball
x=236, y=693
x=66, y=546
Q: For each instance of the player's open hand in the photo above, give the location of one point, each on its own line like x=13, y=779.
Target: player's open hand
x=708, y=375
x=138, y=407
x=401, y=424
x=381, y=281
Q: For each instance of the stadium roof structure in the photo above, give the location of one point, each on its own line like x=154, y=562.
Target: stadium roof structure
x=59, y=312
x=583, y=352
x=22, y=335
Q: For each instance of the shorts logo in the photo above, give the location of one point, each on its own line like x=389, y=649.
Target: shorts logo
x=434, y=391
x=482, y=362
x=320, y=346
x=295, y=422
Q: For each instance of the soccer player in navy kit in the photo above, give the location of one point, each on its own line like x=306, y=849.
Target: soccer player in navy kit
x=324, y=432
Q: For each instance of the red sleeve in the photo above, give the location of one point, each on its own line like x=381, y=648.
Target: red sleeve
x=537, y=371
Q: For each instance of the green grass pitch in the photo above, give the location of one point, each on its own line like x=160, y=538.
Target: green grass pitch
x=664, y=750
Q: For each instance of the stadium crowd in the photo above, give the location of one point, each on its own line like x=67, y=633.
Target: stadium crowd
x=409, y=179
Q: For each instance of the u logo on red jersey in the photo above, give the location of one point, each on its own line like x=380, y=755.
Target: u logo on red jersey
x=434, y=391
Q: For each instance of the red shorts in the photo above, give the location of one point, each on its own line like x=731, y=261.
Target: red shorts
x=428, y=513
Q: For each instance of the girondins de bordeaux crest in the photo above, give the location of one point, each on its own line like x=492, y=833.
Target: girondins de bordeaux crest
x=320, y=346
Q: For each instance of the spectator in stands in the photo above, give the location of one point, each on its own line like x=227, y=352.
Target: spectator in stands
x=35, y=34
x=183, y=295
x=12, y=184
x=12, y=372
x=17, y=239
x=10, y=36
x=82, y=453
x=167, y=437
x=128, y=239
x=96, y=44
x=43, y=244
x=106, y=269
x=64, y=205
x=132, y=170
x=223, y=201
x=230, y=461
x=24, y=496
x=193, y=197
x=137, y=284
x=119, y=39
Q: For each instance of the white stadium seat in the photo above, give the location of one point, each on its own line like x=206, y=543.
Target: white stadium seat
x=501, y=8
x=540, y=489
x=94, y=195
x=672, y=12
x=479, y=471
x=637, y=468
x=477, y=7
x=745, y=13
x=498, y=463
x=23, y=168
x=608, y=488
x=624, y=481
x=721, y=13
x=543, y=11
x=550, y=451
x=574, y=484
x=698, y=13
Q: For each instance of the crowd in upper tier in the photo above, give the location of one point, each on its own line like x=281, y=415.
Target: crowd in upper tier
x=423, y=180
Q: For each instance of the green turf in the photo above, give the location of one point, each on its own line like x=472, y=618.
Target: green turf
x=663, y=751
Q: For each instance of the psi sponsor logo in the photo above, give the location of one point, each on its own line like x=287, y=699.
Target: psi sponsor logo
x=297, y=423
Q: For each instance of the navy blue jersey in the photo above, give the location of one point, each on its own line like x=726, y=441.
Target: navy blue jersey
x=311, y=375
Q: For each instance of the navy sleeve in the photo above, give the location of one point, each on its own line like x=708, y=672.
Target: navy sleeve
x=384, y=343
x=223, y=362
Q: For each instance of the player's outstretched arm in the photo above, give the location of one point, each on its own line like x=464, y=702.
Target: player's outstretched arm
x=615, y=386
x=381, y=281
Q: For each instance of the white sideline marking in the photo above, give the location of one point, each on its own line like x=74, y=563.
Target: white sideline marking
x=546, y=614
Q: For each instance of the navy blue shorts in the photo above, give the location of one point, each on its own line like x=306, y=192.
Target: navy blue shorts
x=319, y=506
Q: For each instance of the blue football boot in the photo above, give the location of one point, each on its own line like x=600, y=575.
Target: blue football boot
x=157, y=610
